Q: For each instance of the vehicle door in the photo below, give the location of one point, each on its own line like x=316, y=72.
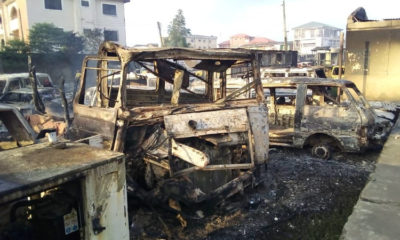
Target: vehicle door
x=329, y=109
x=95, y=108
x=281, y=108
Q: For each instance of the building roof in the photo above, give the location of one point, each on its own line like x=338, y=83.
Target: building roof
x=201, y=36
x=316, y=25
x=261, y=40
x=224, y=43
x=241, y=35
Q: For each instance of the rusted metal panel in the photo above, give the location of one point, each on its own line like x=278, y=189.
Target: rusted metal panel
x=257, y=78
x=174, y=53
x=206, y=123
x=95, y=120
x=101, y=174
x=229, y=139
x=258, y=118
x=33, y=168
x=16, y=124
x=105, y=202
x=189, y=154
x=178, y=78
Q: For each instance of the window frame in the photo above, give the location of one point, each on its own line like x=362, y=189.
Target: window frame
x=85, y=2
x=49, y=5
x=109, y=31
x=107, y=12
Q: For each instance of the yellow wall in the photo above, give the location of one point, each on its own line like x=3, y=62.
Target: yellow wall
x=382, y=79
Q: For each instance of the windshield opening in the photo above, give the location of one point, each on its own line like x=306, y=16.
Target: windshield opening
x=357, y=96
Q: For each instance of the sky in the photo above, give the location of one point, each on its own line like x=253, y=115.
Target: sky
x=260, y=18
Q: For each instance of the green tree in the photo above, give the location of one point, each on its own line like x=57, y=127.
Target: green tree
x=93, y=38
x=13, y=56
x=73, y=43
x=177, y=31
x=16, y=47
x=47, y=38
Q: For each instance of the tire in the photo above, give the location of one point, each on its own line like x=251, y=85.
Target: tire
x=321, y=150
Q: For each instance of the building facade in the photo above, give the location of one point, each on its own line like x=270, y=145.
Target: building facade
x=314, y=34
x=201, y=41
x=373, y=56
x=18, y=16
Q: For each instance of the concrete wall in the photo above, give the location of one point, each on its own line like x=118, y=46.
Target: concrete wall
x=376, y=74
x=61, y=18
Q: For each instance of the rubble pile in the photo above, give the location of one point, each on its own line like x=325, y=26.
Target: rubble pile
x=302, y=197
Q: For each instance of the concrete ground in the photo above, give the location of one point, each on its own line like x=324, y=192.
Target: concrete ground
x=377, y=213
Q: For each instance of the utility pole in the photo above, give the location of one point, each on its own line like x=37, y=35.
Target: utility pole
x=284, y=25
x=341, y=55
x=159, y=33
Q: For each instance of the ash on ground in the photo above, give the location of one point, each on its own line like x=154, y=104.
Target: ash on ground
x=301, y=198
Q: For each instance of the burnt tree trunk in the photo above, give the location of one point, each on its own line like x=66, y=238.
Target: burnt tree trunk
x=64, y=101
x=37, y=101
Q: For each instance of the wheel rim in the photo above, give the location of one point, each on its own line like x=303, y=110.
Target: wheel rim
x=321, y=152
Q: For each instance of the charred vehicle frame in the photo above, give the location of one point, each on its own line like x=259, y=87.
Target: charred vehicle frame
x=324, y=114
x=187, y=143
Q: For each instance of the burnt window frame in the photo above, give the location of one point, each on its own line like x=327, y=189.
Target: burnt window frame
x=53, y=4
x=109, y=12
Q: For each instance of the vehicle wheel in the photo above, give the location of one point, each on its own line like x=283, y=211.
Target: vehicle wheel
x=322, y=151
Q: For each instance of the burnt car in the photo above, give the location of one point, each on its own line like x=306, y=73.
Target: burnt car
x=22, y=98
x=182, y=144
x=15, y=81
x=15, y=131
x=323, y=114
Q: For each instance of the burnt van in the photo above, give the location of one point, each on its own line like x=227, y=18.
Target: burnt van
x=323, y=114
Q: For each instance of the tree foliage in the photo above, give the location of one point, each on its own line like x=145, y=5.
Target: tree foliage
x=93, y=38
x=16, y=47
x=177, y=31
x=13, y=56
x=47, y=38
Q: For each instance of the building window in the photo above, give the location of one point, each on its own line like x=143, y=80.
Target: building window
x=53, y=4
x=109, y=9
x=13, y=14
x=85, y=3
x=110, y=35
